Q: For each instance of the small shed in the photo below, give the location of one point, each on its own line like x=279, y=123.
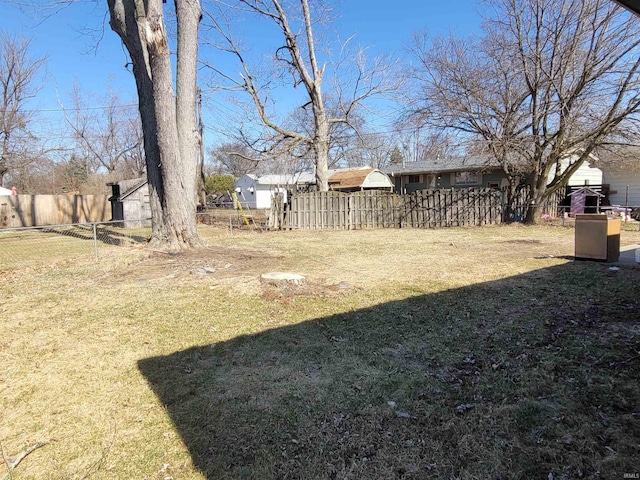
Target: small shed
x=256, y=192
x=584, y=198
x=130, y=202
x=356, y=179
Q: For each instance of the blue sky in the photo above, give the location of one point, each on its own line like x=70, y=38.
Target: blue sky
x=96, y=60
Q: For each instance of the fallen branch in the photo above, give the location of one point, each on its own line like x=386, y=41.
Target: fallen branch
x=11, y=465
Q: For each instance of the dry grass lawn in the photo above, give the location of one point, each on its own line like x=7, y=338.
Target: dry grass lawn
x=455, y=353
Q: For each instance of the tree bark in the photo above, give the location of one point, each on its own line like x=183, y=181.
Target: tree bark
x=170, y=152
x=537, y=197
x=321, y=148
x=511, y=190
x=185, y=194
x=4, y=156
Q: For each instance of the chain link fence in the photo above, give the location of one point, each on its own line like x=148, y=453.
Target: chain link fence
x=28, y=246
x=21, y=247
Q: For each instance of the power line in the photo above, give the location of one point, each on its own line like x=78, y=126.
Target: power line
x=74, y=109
x=228, y=113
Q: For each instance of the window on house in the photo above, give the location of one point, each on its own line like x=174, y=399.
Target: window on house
x=414, y=179
x=495, y=185
x=467, y=178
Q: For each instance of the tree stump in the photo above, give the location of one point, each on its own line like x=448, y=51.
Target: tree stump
x=282, y=279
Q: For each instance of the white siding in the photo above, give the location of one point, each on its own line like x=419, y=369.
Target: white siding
x=585, y=175
x=244, y=186
x=263, y=197
x=255, y=195
x=618, y=182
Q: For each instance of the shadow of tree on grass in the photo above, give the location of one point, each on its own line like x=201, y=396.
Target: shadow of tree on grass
x=524, y=377
x=105, y=234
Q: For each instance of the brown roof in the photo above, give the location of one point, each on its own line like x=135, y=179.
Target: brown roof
x=349, y=178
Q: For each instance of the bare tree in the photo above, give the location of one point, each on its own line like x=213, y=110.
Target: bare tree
x=369, y=149
x=40, y=175
x=233, y=159
x=548, y=82
x=109, y=137
x=133, y=160
x=18, y=72
x=298, y=60
x=421, y=143
x=169, y=119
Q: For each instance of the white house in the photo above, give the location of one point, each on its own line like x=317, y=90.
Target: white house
x=622, y=173
x=624, y=187
x=585, y=175
x=5, y=191
x=256, y=192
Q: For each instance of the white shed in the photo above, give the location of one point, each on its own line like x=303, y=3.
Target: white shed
x=256, y=192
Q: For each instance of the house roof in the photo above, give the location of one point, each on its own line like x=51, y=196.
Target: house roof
x=338, y=178
x=441, y=166
x=127, y=187
x=287, y=179
x=588, y=191
x=364, y=177
x=349, y=178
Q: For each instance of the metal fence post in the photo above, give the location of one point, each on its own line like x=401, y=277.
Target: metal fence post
x=95, y=240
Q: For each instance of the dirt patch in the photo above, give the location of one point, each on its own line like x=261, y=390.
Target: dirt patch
x=365, y=258
x=218, y=262
x=226, y=268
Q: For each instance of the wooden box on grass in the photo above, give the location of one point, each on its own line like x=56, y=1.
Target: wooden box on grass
x=597, y=237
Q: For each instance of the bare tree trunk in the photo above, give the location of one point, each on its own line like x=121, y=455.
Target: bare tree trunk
x=321, y=147
x=170, y=152
x=512, y=190
x=130, y=27
x=4, y=157
x=537, y=196
x=203, y=177
x=183, y=195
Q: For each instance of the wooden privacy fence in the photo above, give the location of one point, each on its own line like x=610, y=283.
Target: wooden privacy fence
x=521, y=203
x=376, y=209
x=38, y=210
